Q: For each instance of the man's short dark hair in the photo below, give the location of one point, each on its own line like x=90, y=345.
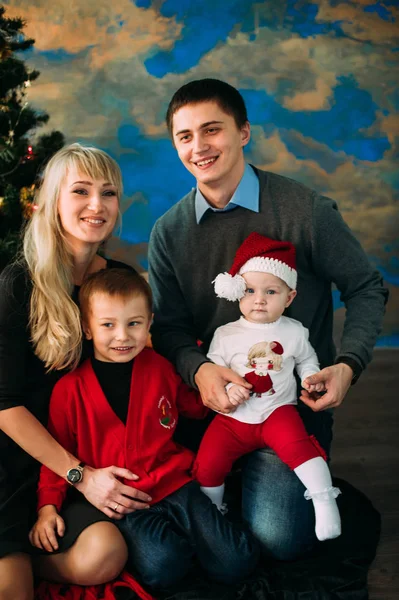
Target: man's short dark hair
x=207, y=90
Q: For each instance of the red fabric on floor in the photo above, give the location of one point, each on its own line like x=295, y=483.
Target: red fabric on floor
x=62, y=591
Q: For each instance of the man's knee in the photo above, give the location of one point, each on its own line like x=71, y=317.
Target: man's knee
x=282, y=543
x=163, y=571
x=274, y=507
x=238, y=565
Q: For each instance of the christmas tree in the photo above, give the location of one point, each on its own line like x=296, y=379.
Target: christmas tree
x=21, y=158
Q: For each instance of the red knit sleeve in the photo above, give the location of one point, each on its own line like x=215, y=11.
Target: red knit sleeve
x=52, y=488
x=189, y=402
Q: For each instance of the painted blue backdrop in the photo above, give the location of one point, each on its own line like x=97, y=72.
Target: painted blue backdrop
x=319, y=79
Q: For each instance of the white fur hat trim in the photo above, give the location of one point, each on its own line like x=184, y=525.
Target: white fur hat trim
x=228, y=287
x=270, y=265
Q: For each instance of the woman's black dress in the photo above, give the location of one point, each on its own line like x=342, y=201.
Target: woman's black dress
x=24, y=382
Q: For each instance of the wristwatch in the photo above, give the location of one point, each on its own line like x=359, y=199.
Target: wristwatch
x=75, y=475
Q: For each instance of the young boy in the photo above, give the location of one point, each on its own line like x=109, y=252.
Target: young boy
x=121, y=408
x=264, y=347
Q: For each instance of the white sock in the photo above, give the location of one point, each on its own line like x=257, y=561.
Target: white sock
x=215, y=493
x=316, y=477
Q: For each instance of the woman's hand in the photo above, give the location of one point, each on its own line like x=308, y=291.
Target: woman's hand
x=48, y=524
x=103, y=489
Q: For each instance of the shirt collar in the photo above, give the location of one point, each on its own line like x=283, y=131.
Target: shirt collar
x=246, y=196
x=249, y=325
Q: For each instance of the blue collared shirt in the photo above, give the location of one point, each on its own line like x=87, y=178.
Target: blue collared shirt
x=246, y=196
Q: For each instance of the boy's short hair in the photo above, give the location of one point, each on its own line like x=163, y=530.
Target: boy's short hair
x=207, y=90
x=121, y=282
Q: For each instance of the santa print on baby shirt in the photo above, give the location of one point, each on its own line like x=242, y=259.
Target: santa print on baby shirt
x=263, y=357
x=266, y=355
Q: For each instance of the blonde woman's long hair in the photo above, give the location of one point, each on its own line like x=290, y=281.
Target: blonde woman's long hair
x=54, y=320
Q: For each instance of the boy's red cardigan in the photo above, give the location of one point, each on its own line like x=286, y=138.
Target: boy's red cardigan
x=83, y=422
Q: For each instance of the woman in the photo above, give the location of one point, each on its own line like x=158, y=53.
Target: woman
x=40, y=338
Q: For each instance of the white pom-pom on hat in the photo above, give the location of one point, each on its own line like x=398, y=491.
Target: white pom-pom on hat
x=228, y=287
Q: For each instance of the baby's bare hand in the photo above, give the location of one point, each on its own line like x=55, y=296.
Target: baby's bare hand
x=317, y=387
x=237, y=395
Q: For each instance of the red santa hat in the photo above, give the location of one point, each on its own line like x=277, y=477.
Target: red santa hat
x=262, y=254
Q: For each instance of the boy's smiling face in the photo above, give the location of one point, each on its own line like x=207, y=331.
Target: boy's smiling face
x=118, y=326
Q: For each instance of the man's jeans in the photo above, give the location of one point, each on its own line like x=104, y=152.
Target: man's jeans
x=273, y=502
x=164, y=540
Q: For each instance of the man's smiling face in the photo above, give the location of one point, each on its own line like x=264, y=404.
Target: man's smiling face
x=209, y=143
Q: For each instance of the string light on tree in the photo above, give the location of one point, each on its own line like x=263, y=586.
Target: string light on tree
x=29, y=154
x=26, y=198
x=20, y=159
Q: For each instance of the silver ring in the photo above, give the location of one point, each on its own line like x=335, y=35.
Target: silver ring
x=116, y=507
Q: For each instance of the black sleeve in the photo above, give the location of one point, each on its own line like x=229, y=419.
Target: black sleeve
x=116, y=264
x=14, y=335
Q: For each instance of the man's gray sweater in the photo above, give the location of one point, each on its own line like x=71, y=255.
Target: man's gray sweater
x=185, y=257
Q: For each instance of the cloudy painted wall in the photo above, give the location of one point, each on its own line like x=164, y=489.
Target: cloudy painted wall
x=319, y=79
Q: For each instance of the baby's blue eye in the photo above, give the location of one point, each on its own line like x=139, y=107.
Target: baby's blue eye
x=249, y=291
x=271, y=292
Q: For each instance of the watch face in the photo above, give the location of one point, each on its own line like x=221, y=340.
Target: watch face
x=74, y=475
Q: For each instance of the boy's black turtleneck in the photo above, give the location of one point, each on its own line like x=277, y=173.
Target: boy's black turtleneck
x=114, y=379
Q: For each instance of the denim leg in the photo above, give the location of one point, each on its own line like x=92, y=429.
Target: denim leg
x=273, y=502
x=158, y=553
x=226, y=551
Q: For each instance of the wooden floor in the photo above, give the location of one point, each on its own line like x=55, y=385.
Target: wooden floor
x=366, y=453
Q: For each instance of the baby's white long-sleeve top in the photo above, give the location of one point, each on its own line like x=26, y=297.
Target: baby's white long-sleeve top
x=232, y=343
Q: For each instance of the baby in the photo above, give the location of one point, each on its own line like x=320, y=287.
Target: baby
x=265, y=347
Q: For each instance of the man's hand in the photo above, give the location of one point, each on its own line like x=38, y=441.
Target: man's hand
x=336, y=381
x=48, y=524
x=103, y=489
x=237, y=394
x=211, y=380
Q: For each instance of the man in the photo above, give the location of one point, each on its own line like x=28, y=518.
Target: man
x=197, y=239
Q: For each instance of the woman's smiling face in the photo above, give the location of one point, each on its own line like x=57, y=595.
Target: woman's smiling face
x=87, y=208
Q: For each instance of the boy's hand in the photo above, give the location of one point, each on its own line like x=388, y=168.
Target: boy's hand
x=237, y=394
x=43, y=533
